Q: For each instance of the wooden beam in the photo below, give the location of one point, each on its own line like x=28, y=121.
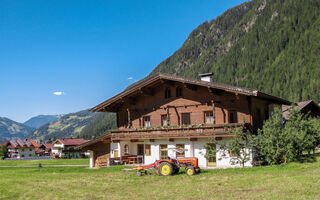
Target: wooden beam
x=129, y=118
x=146, y=91
x=169, y=82
x=175, y=109
x=193, y=139
x=168, y=116
x=190, y=86
x=213, y=111
x=134, y=140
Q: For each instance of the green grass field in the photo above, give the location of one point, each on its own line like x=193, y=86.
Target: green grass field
x=293, y=181
x=44, y=162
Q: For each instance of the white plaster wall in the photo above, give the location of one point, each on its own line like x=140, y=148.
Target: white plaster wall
x=155, y=149
x=225, y=161
x=91, y=158
x=200, y=152
x=26, y=152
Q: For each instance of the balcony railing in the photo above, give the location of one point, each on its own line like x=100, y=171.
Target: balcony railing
x=196, y=131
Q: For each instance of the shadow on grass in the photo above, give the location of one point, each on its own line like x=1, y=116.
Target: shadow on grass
x=309, y=158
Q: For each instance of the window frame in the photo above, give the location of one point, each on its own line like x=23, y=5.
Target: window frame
x=235, y=115
x=163, y=157
x=179, y=91
x=179, y=155
x=166, y=116
x=205, y=117
x=144, y=121
x=126, y=149
x=167, y=93
x=182, y=118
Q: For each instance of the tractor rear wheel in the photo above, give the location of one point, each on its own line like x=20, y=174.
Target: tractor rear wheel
x=190, y=171
x=165, y=169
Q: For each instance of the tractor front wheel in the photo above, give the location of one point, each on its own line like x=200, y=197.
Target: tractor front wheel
x=165, y=169
x=190, y=171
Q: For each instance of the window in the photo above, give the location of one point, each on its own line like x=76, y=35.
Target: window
x=186, y=119
x=164, y=120
x=163, y=151
x=126, y=149
x=147, y=149
x=146, y=121
x=167, y=93
x=208, y=117
x=233, y=117
x=179, y=91
x=180, y=152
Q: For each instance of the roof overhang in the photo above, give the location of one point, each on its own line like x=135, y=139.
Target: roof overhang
x=144, y=86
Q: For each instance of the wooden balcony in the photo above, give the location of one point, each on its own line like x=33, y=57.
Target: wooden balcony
x=192, y=131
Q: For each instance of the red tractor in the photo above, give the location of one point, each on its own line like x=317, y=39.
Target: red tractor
x=166, y=167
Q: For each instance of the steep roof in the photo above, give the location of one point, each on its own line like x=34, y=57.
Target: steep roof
x=153, y=80
x=72, y=141
x=23, y=143
x=299, y=105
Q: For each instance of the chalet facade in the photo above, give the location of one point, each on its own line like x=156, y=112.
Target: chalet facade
x=164, y=112
x=66, y=147
x=22, y=148
x=44, y=150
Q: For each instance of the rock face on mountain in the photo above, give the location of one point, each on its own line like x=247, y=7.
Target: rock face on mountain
x=269, y=45
x=40, y=120
x=10, y=129
x=70, y=125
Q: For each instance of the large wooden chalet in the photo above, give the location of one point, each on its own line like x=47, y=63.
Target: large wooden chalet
x=164, y=112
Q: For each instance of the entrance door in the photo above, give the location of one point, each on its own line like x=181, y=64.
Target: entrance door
x=140, y=149
x=212, y=161
x=116, y=153
x=140, y=152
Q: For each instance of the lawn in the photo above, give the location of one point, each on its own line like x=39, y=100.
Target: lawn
x=44, y=162
x=293, y=181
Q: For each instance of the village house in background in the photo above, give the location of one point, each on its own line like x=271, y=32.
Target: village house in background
x=4, y=143
x=44, y=150
x=309, y=108
x=164, y=112
x=66, y=148
x=22, y=148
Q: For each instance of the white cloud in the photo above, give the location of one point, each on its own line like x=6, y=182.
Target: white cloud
x=130, y=78
x=58, y=93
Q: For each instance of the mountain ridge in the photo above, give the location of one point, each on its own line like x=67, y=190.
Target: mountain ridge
x=40, y=120
x=10, y=129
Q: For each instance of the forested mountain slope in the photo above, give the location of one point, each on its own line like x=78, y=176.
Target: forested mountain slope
x=70, y=125
x=272, y=46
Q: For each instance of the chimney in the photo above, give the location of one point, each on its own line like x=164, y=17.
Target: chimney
x=206, y=77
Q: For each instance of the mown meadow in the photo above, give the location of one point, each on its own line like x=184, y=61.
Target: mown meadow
x=297, y=180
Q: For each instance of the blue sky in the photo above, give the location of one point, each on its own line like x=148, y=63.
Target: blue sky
x=58, y=57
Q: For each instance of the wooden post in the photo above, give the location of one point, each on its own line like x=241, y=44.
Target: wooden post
x=224, y=115
x=213, y=111
x=129, y=119
x=177, y=115
x=168, y=117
